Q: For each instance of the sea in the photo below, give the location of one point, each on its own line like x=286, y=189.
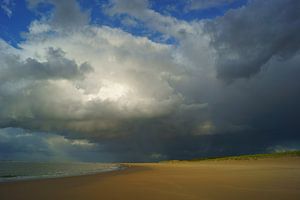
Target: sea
x=18, y=170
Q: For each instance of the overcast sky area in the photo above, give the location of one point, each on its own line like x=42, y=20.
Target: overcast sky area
x=147, y=80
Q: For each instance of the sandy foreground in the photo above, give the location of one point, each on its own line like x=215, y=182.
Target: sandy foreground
x=253, y=179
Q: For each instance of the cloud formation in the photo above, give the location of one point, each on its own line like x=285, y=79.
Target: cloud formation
x=125, y=78
x=247, y=38
x=140, y=10
x=55, y=67
x=130, y=98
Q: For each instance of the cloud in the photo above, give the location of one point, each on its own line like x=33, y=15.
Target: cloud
x=193, y=51
x=37, y=27
x=7, y=7
x=205, y=4
x=55, y=67
x=247, y=38
x=167, y=25
x=66, y=14
x=45, y=89
x=134, y=6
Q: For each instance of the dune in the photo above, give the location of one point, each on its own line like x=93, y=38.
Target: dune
x=268, y=178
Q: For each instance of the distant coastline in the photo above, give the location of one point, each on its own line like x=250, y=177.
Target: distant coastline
x=295, y=153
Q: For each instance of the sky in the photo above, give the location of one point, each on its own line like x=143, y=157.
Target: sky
x=148, y=80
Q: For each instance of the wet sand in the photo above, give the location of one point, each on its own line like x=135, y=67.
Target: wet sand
x=230, y=179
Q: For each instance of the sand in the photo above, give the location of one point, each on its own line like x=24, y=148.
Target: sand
x=253, y=179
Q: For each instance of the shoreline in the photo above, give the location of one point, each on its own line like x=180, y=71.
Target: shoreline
x=12, y=178
x=46, y=177
x=97, y=175
x=252, y=179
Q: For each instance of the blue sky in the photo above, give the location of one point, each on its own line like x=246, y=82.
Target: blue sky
x=16, y=23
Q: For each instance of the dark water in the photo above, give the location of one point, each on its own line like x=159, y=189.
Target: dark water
x=15, y=170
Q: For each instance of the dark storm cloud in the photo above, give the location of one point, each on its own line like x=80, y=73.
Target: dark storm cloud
x=247, y=38
x=249, y=116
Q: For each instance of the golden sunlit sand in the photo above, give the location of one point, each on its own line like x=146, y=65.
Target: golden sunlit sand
x=268, y=178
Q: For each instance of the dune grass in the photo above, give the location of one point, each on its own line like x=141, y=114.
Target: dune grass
x=247, y=157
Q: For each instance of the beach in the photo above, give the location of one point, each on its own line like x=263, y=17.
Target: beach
x=270, y=178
